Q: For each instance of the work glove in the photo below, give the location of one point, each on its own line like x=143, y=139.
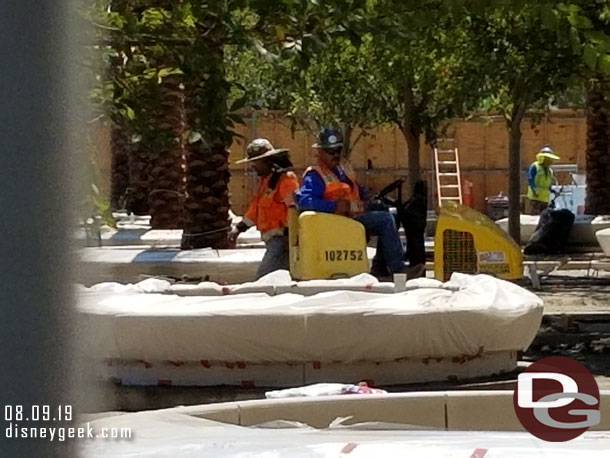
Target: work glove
x=232, y=237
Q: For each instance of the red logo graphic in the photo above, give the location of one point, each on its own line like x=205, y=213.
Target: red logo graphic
x=557, y=399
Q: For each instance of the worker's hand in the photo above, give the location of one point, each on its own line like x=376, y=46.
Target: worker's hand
x=232, y=237
x=342, y=207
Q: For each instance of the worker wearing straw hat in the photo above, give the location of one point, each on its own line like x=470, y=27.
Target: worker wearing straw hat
x=540, y=178
x=268, y=209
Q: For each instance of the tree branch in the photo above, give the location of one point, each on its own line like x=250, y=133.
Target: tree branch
x=358, y=137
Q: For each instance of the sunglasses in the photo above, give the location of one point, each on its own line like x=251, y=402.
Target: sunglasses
x=333, y=151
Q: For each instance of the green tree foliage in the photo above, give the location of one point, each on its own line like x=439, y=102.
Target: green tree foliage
x=354, y=63
x=423, y=67
x=395, y=64
x=587, y=24
x=522, y=64
x=334, y=88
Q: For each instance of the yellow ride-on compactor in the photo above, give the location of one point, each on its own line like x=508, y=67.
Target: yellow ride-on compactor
x=467, y=241
x=324, y=246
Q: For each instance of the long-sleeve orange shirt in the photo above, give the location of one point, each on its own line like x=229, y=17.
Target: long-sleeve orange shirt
x=268, y=208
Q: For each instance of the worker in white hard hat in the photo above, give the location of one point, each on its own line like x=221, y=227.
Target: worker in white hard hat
x=268, y=209
x=540, y=179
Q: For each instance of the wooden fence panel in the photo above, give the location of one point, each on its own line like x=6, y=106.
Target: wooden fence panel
x=482, y=143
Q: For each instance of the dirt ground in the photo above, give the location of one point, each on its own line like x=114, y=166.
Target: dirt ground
x=592, y=299
x=575, y=291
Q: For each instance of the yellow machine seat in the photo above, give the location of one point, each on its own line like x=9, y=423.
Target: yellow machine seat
x=467, y=241
x=323, y=245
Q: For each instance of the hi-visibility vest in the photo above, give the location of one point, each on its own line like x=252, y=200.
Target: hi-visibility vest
x=542, y=182
x=335, y=189
x=268, y=209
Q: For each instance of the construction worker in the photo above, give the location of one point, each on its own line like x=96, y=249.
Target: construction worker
x=540, y=179
x=268, y=209
x=330, y=186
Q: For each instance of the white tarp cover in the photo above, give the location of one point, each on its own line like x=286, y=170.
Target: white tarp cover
x=170, y=433
x=346, y=326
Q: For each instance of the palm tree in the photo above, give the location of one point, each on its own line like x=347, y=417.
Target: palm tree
x=598, y=148
x=207, y=201
x=136, y=198
x=207, y=165
x=119, y=166
x=166, y=196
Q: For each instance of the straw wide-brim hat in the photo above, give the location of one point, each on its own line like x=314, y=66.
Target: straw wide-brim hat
x=271, y=152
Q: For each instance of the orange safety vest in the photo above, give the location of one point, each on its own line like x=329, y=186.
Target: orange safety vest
x=268, y=209
x=335, y=189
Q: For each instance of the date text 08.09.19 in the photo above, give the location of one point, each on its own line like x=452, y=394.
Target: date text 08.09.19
x=37, y=413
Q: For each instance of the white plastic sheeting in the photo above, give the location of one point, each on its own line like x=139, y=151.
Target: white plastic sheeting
x=322, y=389
x=171, y=433
x=484, y=314
x=603, y=237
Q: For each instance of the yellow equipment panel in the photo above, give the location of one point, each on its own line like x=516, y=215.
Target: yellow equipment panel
x=326, y=246
x=467, y=241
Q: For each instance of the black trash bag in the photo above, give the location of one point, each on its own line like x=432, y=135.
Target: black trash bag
x=552, y=232
x=413, y=215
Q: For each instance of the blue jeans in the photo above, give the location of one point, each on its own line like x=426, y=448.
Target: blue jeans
x=389, y=249
x=276, y=256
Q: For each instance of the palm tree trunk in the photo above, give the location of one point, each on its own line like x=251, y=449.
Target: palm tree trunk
x=136, y=199
x=598, y=150
x=207, y=160
x=207, y=201
x=119, y=166
x=166, y=197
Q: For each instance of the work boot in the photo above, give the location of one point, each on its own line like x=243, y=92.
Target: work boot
x=412, y=272
x=380, y=271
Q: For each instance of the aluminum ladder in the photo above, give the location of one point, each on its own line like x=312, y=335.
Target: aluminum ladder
x=447, y=168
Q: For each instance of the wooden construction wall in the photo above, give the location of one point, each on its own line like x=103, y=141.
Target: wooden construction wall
x=380, y=158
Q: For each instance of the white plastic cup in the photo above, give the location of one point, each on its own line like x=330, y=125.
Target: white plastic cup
x=400, y=282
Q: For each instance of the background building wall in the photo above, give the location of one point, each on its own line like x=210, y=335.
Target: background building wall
x=381, y=157
x=482, y=144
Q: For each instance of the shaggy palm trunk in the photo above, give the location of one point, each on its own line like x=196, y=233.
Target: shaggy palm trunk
x=207, y=201
x=166, y=196
x=598, y=150
x=119, y=167
x=207, y=169
x=136, y=197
